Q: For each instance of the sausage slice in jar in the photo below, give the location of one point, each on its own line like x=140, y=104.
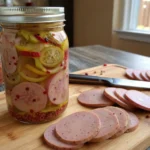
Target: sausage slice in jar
x=58, y=89
x=9, y=53
x=29, y=97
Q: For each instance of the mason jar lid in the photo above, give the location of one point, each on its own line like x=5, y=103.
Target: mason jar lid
x=31, y=14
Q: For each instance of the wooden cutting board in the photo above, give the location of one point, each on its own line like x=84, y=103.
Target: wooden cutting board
x=18, y=136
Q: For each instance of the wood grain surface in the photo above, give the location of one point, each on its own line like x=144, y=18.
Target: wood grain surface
x=18, y=136
x=91, y=56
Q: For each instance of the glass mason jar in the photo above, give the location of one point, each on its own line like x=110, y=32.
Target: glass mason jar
x=35, y=62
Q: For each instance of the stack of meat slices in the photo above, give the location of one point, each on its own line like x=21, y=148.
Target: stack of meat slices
x=142, y=75
x=73, y=131
x=127, y=99
x=97, y=125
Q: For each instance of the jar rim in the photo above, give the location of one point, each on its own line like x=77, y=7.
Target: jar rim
x=23, y=14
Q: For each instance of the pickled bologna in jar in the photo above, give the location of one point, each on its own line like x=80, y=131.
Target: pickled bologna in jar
x=35, y=62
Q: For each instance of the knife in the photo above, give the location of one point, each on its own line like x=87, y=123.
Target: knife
x=117, y=82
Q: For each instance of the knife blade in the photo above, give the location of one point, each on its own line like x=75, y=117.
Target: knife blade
x=117, y=82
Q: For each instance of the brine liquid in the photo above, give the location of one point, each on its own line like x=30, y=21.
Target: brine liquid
x=35, y=68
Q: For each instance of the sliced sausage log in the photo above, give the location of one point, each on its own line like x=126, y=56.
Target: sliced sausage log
x=94, y=98
x=109, y=124
x=138, y=99
x=148, y=74
x=144, y=76
x=110, y=93
x=120, y=93
x=123, y=119
x=78, y=128
x=136, y=75
x=54, y=142
x=129, y=73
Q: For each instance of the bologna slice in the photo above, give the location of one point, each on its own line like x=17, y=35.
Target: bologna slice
x=133, y=122
x=29, y=97
x=123, y=119
x=144, y=76
x=58, y=89
x=120, y=93
x=110, y=93
x=109, y=124
x=10, y=56
x=94, y=98
x=136, y=74
x=148, y=74
x=54, y=142
x=78, y=128
x=138, y=99
x=129, y=73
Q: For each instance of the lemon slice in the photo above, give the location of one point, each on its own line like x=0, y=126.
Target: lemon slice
x=32, y=79
x=54, y=107
x=29, y=47
x=65, y=45
x=39, y=65
x=28, y=36
x=51, y=56
x=35, y=70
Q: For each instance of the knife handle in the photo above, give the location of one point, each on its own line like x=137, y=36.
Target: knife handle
x=75, y=78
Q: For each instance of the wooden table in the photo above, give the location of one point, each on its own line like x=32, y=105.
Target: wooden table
x=90, y=56
x=17, y=136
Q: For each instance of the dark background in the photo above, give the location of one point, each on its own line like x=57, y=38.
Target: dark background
x=68, y=5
